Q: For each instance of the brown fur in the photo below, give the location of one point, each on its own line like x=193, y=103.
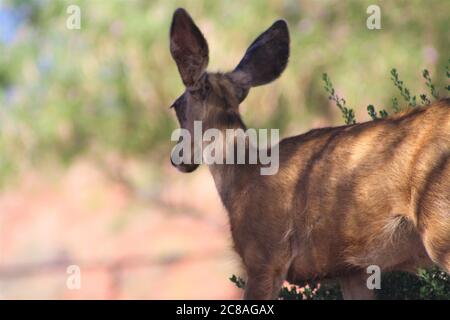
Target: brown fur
x=344, y=198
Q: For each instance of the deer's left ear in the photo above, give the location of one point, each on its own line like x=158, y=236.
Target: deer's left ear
x=188, y=47
x=265, y=59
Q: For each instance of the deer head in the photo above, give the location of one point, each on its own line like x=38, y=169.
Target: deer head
x=214, y=98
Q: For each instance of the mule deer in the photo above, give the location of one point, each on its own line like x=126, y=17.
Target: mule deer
x=344, y=198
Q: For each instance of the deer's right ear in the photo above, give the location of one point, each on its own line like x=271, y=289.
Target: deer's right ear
x=188, y=47
x=265, y=59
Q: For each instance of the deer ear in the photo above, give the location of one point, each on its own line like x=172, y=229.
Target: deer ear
x=265, y=59
x=188, y=47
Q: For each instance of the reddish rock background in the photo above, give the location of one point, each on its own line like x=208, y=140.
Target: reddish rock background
x=171, y=244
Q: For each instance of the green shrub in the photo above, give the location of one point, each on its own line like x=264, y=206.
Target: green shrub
x=427, y=284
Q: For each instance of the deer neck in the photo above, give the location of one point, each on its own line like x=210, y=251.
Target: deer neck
x=228, y=174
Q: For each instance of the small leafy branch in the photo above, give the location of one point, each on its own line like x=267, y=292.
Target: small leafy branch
x=403, y=90
x=433, y=89
x=430, y=85
x=425, y=100
x=373, y=113
x=348, y=113
x=395, y=106
x=238, y=281
x=447, y=68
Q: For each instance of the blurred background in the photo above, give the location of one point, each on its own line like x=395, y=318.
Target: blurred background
x=85, y=176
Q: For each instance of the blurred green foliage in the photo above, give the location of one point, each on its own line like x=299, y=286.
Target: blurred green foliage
x=106, y=87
